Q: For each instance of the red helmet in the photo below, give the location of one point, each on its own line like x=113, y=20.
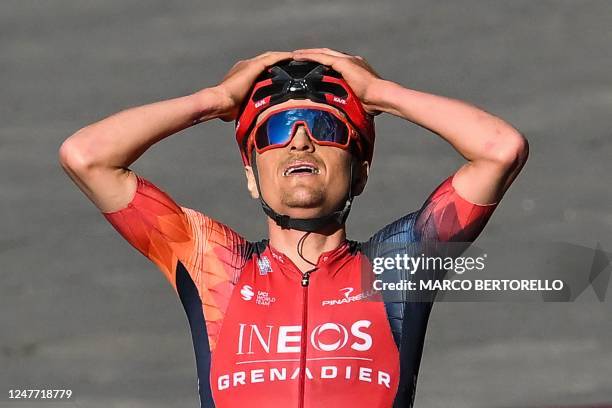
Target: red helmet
x=304, y=80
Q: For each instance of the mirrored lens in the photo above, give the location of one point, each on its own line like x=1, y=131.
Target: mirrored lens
x=275, y=131
x=324, y=126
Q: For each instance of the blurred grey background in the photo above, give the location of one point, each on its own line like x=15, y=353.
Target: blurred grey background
x=81, y=309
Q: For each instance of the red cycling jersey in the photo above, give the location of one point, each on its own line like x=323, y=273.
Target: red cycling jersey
x=261, y=337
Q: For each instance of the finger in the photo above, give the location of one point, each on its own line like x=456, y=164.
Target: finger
x=324, y=51
x=321, y=58
x=268, y=54
x=327, y=51
x=272, y=57
x=261, y=62
x=339, y=64
x=330, y=52
x=249, y=69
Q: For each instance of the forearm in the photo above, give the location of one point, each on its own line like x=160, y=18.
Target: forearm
x=474, y=133
x=120, y=139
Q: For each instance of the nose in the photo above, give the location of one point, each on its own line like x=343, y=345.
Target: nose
x=301, y=141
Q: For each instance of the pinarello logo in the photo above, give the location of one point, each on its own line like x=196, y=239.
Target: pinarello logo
x=347, y=298
x=247, y=292
x=347, y=291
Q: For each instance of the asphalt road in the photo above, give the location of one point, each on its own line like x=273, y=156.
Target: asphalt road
x=80, y=309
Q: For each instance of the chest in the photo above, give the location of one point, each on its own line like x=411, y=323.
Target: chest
x=298, y=340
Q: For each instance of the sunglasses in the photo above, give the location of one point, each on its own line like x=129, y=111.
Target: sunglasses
x=323, y=126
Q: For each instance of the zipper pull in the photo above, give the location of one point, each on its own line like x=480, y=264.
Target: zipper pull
x=306, y=277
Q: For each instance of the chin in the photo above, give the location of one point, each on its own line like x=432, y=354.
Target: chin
x=303, y=198
x=302, y=202
x=303, y=205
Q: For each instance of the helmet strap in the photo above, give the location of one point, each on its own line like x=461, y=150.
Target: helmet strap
x=337, y=218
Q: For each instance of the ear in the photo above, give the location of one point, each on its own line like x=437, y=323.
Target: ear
x=251, y=184
x=361, y=171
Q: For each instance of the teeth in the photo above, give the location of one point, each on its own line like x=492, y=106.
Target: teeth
x=310, y=169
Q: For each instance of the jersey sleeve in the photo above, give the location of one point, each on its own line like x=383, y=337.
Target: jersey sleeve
x=444, y=217
x=447, y=217
x=167, y=233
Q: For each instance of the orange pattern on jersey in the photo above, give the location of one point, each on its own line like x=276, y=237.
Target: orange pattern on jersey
x=167, y=233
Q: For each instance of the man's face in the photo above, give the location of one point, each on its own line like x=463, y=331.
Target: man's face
x=304, y=179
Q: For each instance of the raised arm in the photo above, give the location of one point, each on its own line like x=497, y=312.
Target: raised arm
x=97, y=157
x=494, y=150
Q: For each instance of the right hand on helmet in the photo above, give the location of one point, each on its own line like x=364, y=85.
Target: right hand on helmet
x=238, y=81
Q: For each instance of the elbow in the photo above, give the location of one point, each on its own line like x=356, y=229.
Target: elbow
x=73, y=154
x=513, y=151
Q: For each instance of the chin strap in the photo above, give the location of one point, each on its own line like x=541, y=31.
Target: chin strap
x=305, y=224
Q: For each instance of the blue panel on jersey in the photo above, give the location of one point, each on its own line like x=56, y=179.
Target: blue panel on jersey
x=192, y=304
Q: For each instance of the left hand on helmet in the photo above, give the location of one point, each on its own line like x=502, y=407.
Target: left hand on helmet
x=355, y=70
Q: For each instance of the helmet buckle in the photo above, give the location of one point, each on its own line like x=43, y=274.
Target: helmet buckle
x=283, y=221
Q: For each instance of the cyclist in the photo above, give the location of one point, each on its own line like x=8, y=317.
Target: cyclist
x=286, y=321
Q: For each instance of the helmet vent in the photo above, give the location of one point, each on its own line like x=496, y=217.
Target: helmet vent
x=334, y=89
x=267, y=91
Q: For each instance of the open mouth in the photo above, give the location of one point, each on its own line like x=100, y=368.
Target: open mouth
x=301, y=169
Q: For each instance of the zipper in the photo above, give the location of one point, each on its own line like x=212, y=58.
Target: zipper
x=304, y=337
x=303, y=342
x=306, y=278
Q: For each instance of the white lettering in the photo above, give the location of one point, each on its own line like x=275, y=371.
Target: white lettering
x=260, y=375
x=257, y=375
x=367, y=339
x=280, y=375
x=239, y=377
x=285, y=338
x=329, y=372
x=327, y=337
x=308, y=373
x=319, y=345
x=223, y=382
x=262, y=342
x=265, y=343
x=384, y=378
x=365, y=374
x=240, y=337
x=377, y=268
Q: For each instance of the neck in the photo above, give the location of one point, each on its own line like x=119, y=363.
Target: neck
x=286, y=241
